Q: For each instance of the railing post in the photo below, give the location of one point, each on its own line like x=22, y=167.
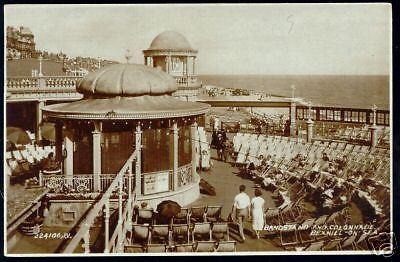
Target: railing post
x=130, y=198
x=107, y=226
x=175, y=146
x=120, y=218
x=86, y=238
x=40, y=179
x=292, y=119
x=138, y=169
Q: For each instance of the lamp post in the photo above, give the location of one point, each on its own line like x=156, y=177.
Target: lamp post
x=40, y=65
x=374, y=108
x=310, y=124
x=373, y=128
x=293, y=87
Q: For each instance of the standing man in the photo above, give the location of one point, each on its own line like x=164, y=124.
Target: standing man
x=241, y=208
x=221, y=148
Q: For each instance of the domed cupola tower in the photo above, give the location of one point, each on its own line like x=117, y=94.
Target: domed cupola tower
x=171, y=52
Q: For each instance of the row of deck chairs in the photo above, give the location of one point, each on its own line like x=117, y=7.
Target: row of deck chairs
x=179, y=233
x=353, y=133
x=31, y=153
x=302, y=240
x=291, y=192
x=250, y=146
x=185, y=216
x=23, y=164
x=199, y=246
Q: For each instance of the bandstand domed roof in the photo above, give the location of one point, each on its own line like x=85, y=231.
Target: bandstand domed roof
x=171, y=41
x=126, y=80
x=126, y=91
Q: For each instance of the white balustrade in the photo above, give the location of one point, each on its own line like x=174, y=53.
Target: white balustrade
x=52, y=84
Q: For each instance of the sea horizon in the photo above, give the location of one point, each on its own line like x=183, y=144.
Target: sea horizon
x=354, y=91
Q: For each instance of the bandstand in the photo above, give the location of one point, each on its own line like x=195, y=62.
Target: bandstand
x=129, y=108
x=171, y=52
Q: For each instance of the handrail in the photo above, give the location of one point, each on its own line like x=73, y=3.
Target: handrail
x=83, y=232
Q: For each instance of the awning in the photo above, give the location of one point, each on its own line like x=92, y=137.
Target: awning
x=140, y=107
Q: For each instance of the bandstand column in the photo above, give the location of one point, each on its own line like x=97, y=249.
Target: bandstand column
x=39, y=118
x=292, y=119
x=138, y=169
x=193, y=130
x=69, y=158
x=185, y=63
x=175, y=146
x=194, y=65
x=169, y=64
x=97, y=155
x=59, y=140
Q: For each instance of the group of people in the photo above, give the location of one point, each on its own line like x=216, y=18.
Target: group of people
x=253, y=209
x=220, y=143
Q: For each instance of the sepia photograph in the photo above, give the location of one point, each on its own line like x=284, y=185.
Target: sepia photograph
x=182, y=129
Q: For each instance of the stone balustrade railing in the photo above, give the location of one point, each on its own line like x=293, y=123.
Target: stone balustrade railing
x=41, y=84
x=185, y=80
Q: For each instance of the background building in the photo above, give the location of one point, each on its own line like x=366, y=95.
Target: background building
x=20, y=43
x=171, y=52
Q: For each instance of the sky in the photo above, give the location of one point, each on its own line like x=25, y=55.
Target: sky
x=351, y=39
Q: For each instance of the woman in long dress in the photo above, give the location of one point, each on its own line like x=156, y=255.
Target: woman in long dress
x=257, y=212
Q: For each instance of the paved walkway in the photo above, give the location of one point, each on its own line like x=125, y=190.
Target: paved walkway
x=223, y=177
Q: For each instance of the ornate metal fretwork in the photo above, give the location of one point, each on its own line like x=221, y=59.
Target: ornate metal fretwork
x=185, y=175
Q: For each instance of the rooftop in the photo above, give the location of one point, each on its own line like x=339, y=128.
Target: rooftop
x=127, y=80
x=170, y=41
x=24, y=67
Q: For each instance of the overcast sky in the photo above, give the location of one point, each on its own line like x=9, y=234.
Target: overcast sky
x=231, y=39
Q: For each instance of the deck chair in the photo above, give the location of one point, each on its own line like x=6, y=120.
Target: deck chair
x=315, y=246
x=320, y=220
x=349, y=242
x=205, y=246
x=180, y=231
x=134, y=249
x=304, y=230
x=156, y=248
x=226, y=246
x=219, y=231
x=184, y=248
x=272, y=217
x=145, y=216
x=361, y=243
x=202, y=230
x=182, y=217
x=289, y=237
x=160, y=233
x=213, y=213
x=141, y=233
x=332, y=244
x=197, y=214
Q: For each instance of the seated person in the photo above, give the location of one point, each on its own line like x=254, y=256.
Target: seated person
x=325, y=157
x=50, y=163
x=330, y=169
x=341, y=162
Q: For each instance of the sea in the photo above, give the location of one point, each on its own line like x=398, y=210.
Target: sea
x=353, y=91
